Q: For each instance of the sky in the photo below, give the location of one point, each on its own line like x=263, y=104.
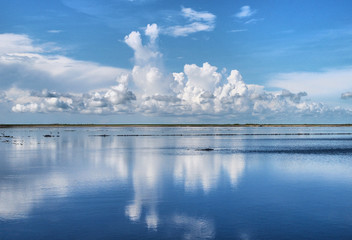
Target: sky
x=194, y=61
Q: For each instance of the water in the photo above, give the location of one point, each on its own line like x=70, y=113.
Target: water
x=176, y=183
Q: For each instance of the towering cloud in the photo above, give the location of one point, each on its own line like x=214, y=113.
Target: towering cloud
x=146, y=88
x=147, y=74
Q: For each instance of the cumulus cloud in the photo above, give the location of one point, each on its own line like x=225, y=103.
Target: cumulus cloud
x=106, y=101
x=148, y=89
x=204, y=77
x=143, y=53
x=152, y=31
x=198, y=22
x=245, y=12
x=27, y=65
x=198, y=90
x=147, y=74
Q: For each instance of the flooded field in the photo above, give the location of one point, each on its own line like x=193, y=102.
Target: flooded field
x=176, y=183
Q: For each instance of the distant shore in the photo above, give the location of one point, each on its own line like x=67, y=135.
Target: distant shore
x=167, y=125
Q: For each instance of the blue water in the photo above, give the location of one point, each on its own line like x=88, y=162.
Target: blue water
x=176, y=183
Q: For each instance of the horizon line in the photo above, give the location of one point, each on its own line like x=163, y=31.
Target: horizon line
x=47, y=125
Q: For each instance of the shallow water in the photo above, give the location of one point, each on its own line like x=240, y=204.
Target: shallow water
x=176, y=183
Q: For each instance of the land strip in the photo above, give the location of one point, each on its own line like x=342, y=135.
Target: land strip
x=167, y=125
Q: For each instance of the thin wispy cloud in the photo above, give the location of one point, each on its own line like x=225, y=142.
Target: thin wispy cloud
x=238, y=30
x=54, y=31
x=254, y=20
x=199, y=22
x=197, y=16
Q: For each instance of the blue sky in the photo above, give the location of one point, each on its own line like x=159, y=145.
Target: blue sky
x=153, y=61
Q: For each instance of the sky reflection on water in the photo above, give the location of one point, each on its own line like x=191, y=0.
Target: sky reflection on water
x=165, y=187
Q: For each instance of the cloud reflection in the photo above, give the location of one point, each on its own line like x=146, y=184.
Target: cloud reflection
x=72, y=162
x=204, y=170
x=147, y=180
x=195, y=228
x=17, y=199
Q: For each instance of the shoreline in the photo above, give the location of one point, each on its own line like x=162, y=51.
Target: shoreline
x=166, y=125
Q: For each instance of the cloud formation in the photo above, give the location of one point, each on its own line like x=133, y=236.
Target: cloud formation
x=148, y=89
x=24, y=64
x=115, y=99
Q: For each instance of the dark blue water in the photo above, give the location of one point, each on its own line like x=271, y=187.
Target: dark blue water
x=176, y=183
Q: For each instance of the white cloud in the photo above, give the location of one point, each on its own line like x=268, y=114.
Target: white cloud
x=147, y=75
x=150, y=80
x=204, y=77
x=245, y=12
x=328, y=83
x=106, y=101
x=196, y=91
x=182, y=31
x=142, y=54
x=17, y=43
x=27, y=65
x=200, y=21
x=148, y=89
x=152, y=31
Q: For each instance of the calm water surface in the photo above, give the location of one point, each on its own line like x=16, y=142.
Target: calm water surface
x=176, y=183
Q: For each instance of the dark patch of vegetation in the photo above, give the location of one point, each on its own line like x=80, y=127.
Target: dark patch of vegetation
x=205, y=149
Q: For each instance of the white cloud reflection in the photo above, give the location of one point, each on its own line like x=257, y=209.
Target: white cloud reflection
x=147, y=166
x=147, y=182
x=18, y=198
x=87, y=167
x=204, y=170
